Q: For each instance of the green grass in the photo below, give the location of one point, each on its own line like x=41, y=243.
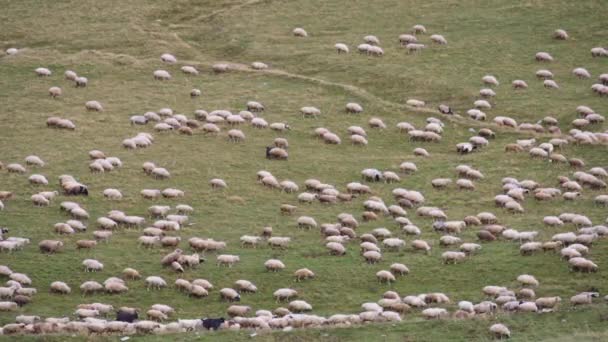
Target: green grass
x=117, y=46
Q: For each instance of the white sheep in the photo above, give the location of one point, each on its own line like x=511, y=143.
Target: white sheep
x=439, y=39
x=93, y=106
x=299, y=32
x=543, y=57
x=581, y=73
x=60, y=287
x=259, y=66
x=112, y=194
x=227, y=260
x=43, y=72
x=55, y=92
x=500, y=331
x=274, y=265
x=161, y=75
x=490, y=80
x=341, y=48
x=189, y=70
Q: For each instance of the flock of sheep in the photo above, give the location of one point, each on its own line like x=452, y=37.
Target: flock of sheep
x=160, y=227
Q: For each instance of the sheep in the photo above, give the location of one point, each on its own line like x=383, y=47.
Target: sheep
x=519, y=84
x=490, y=80
x=60, y=287
x=15, y=168
x=303, y=274
x=528, y=280
x=172, y=193
x=335, y=248
x=372, y=256
x=227, y=260
x=550, y=84
x=55, y=92
x=500, y=331
x=310, y=111
x=50, y=246
x=284, y=294
x=93, y=106
x=245, y=286
x=274, y=265
x=299, y=306
x=582, y=264
x=560, y=34
x=384, y=276
x=92, y=265
x=439, y=39
x=280, y=242
x=434, y=313
x=452, y=257
x=419, y=29
x=581, y=73
x=37, y=179
x=393, y=243
x=155, y=282
x=421, y=245
x=161, y=75
x=306, y=222
x=421, y=152
x=543, y=57
x=279, y=126
x=583, y=298
x=299, y=32
x=341, y=48
x=415, y=103
x=547, y=302
x=229, y=295
x=43, y=72
x=112, y=194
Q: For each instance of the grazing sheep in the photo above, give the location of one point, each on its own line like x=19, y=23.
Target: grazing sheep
x=434, y=313
x=439, y=39
x=227, y=260
x=299, y=32
x=93, y=106
x=490, y=80
x=161, y=75
x=43, y=72
x=189, y=70
x=519, y=84
x=543, y=57
x=452, y=257
x=229, y=295
x=274, y=265
x=303, y=274
x=259, y=66
x=341, y=48
x=50, y=246
x=55, y=92
x=581, y=73
x=60, y=287
x=500, y=331
x=384, y=276
x=155, y=282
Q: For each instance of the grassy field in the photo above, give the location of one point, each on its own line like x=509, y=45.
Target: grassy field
x=117, y=46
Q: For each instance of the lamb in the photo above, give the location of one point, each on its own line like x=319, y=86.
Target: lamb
x=155, y=282
x=274, y=265
x=60, y=287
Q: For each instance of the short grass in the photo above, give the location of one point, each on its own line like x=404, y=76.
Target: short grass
x=117, y=44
